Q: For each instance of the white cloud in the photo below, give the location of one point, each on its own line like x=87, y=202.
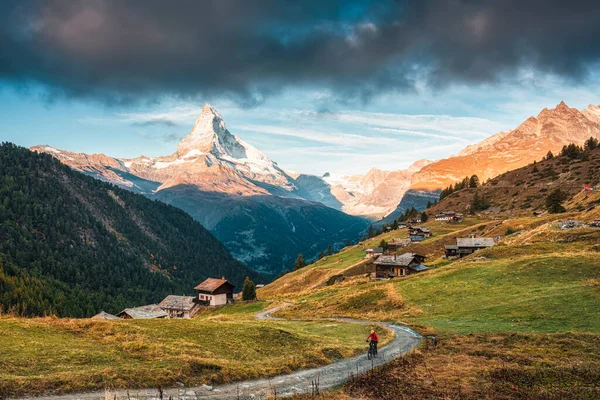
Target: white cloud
x=334, y=138
x=478, y=127
x=178, y=114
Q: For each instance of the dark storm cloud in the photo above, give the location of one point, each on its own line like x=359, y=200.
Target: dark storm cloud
x=130, y=50
x=155, y=122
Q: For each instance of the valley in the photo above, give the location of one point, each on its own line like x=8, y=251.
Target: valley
x=261, y=214
x=499, y=316
x=305, y=200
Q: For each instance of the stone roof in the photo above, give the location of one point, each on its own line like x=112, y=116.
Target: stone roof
x=211, y=284
x=172, y=302
x=145, y=312
x=475, y=242
x=105, y=315
x=397, y=261
x=451, y=247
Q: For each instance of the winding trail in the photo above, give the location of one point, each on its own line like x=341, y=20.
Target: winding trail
x=302, y=381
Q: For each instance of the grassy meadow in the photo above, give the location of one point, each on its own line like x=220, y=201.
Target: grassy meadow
x=541, y=279
x=520, y=320
x=486, y=367
x=49, y=354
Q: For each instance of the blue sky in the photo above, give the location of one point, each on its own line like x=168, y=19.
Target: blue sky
x=339, y=86
x=390, y=132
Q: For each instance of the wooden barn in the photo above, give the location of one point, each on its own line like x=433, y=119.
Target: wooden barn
x=466, y=246
x=179, y=306
x=402, y=265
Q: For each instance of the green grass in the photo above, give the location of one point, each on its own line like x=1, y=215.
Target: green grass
x=540, y=287
x=237, y=310
x=314, y=275
x=526, y=294
x=40, y=355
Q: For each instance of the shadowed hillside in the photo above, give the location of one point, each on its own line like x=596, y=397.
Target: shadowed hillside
x=72, y=245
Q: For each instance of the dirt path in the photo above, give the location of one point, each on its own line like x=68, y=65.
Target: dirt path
x=303, y=381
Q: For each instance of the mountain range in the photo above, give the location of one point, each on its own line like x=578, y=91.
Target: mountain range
x=505, y=151
x=256, y=209
x=266, y=216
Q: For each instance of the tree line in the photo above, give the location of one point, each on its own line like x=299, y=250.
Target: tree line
x=69, y=248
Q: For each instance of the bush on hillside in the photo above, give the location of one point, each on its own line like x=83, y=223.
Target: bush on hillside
x=554, y=201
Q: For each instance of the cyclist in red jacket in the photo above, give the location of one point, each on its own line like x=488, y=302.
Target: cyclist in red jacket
x=374, y=338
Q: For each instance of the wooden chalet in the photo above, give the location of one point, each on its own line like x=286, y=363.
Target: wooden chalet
x=214, y=292
x=179, y=306
x=420, y=231
x=418, y=234
x=372, y=253
x=396, y=266
x=449, y=216
x=150, y=311
x=466, y=246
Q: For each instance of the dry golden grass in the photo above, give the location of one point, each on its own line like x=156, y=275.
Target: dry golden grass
x=487, y=366
x=49, y=354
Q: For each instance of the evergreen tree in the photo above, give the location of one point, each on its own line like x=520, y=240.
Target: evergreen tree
x=475, y=203
x=383, y=244
x=395, y=225
x=321, y=255
x=249, y=290
x=329, y=250
x=591, y=144
x=571, y=151
x=549, y=156
x=424, y=217
x=300, y=263
x=554, y=201
x=370, y=232
x=479, y=202
x=348, y=243
x=474, y=181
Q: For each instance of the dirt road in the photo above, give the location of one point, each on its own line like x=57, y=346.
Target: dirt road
x=304, y=381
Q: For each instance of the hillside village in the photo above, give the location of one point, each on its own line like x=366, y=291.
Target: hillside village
x=210, y=293
x=446, y=271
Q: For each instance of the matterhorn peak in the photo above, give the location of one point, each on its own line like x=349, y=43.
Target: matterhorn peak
x=209, y=135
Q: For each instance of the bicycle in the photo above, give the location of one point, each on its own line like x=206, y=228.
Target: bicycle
x=372, y=353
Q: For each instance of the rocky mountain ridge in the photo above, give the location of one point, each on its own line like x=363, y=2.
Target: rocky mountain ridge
x=233, y=189
x=506, y=151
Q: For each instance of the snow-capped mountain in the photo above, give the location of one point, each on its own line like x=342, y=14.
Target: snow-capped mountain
x=210, y=158
x=506, y=151
x=374, y=194
x=233, y=189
